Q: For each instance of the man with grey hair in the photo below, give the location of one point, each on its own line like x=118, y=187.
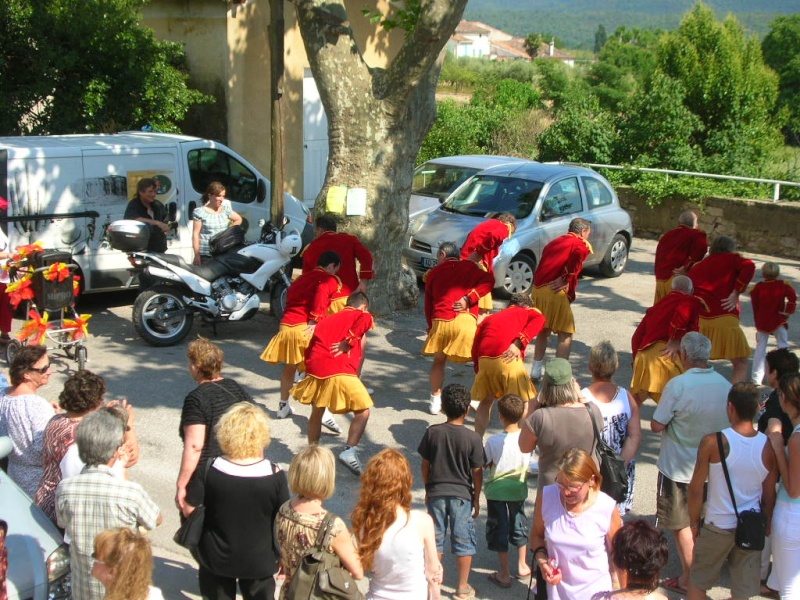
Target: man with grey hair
x=677, y=251
x=693, y=405
x=452, y=291
x=97, y=499
x=656, y=342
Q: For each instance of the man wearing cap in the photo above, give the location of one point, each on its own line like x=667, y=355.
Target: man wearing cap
x=498, y=353
x=555, y=283
x=677, y=251
x=693, y=405
x=656, y=341
x=452, y=290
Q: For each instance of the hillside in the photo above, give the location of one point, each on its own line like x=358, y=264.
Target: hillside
x=558, y=17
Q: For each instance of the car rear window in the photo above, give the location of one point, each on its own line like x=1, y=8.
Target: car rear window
x=485, y=194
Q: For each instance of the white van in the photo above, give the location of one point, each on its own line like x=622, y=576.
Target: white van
x=65, y=190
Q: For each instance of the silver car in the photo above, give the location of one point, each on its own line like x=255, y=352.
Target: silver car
x=436, y=179
x=544, y=198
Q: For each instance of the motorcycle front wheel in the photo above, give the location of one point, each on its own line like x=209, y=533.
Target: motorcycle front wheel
x=277, y=299
x=160, y=316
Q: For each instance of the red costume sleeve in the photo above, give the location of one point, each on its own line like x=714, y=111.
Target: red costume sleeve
x=364, y=258
x=680, y=247
x=486, y=239
x=323, y=295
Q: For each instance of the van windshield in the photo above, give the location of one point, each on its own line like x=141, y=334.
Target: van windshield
x=439, y=181
x=485, y=194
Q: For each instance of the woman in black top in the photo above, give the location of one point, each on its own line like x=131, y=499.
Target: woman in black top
x=202, y=408
x=242, y=492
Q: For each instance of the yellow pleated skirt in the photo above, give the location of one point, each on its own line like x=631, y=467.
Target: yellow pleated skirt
x=651, y=372
x=339, y=394
x=496, y=378
x=453, y=338
x=337, y=305
x=288, y=346
x=556, y=309
x=726, y=335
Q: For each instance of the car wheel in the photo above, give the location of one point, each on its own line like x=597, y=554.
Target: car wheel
x=519, y=275
x=616, y=257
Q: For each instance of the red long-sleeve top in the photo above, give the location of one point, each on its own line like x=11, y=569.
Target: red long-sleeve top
x=486, y=239
x=350, y=249
x=770, y=299
x=349, y=324
x=679, y=247
x=563, y=256
x=448, y=282
x=716, y=277
x=498, y=331
x=309, y=297
x=672, y=317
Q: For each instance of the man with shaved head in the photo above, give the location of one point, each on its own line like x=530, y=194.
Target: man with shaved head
x=677, y=251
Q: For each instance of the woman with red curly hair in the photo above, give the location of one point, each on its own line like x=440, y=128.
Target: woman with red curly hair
x=396, y=544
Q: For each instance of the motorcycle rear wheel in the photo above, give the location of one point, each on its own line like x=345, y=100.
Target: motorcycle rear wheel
x=154, y=318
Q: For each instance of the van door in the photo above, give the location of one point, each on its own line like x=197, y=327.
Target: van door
x=108, y=184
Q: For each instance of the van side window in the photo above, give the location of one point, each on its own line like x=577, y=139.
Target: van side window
x=563, y=198
x=208, y=164
x=596, y=193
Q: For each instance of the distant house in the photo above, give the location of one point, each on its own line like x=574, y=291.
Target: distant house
x=478, y=40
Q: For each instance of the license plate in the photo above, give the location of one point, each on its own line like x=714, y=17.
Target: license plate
x=428, y=263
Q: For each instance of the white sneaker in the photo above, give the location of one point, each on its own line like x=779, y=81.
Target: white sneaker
x=284, y=410
x=349, y=458
x=435, y=405
x=329, y=422
x=536, y=372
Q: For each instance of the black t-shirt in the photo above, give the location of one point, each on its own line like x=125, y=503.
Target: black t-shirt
x=205, y=405
x=241, y=503
x=453, y=451
x=773, y=410
x=137, y=210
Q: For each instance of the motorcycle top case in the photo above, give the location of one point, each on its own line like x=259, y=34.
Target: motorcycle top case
x=129, y=236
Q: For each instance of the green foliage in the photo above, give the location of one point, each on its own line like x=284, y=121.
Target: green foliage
x=582, y=132
x=405, y=18
x=600, y=38
x=560, y=83
x=460, y=129
x=507, y=95
x=781, y=48
x=533, y=42
x=91, y=69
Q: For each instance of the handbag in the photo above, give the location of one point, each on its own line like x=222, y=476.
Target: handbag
x=320, y=575
x=751, y=525
x=225, y=240
x=191, y=529
x=612, y=466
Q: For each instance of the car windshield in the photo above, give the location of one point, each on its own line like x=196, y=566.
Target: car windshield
x=439, y=181
x=485, y=194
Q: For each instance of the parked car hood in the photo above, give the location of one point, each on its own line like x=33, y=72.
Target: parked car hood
x=443, y=226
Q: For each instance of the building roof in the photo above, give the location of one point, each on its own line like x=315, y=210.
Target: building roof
x=472, y=28
x=513, y=48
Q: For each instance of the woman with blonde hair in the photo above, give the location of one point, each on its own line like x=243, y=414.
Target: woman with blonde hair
x=312, y=478
x=396, y=544
x=242, y=492
x=123, y=563
x=574, y=524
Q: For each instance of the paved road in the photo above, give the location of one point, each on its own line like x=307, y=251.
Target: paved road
x=156, y=380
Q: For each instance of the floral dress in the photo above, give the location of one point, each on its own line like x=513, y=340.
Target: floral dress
x=296, y=533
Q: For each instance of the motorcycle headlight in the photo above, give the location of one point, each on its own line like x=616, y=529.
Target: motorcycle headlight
x=58, y=574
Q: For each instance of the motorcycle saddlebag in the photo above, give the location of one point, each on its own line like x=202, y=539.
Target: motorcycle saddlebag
x=225, y=240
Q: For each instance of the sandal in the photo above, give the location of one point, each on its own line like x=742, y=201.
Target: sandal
x=499, y=582
x=524, y=577
x=467, y=593
x=768, y=592
x=673, y=585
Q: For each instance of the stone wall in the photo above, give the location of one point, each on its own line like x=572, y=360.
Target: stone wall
x=758, y=226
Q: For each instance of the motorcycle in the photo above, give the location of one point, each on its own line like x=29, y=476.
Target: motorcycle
x=224, y=288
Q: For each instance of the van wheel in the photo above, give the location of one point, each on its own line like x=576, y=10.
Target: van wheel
x=519, y=275
x=616, y=257
x=277, y=299
x=160, y=316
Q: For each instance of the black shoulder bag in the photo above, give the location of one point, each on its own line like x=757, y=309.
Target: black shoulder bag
x=612, y=467
x=191, y=529
x=751, y=525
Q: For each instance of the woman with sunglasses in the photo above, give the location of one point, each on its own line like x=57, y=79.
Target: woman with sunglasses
x=573, y=526
x=123, y=562
x=24, y=415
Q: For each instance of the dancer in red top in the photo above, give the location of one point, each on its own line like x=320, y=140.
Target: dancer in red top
x=452, y=290
x=774, y=301
x=718, y=280
x=356, y=267
x=555, y=283
x=483, y=245
x=677, y=251
x=307, y=303
x=498, y=354
x=332, y=359
x=656, y=343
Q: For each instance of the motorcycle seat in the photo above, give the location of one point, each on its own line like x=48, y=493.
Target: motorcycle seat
x=209, y=271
